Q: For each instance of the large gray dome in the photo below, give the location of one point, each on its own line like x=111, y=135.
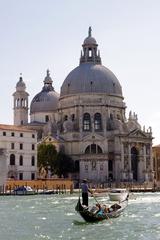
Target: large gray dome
x=91, y=78
x=47, y=99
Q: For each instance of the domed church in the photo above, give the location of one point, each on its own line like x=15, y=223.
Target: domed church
x=88, y=121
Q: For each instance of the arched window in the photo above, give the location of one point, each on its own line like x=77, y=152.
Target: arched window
x=97, y=122
x=18, y=102
x=46, y=118
x=21, y=160
x=12, y=159
x=65, y=118
x=22, y=102
x=73, y=117
x=86, y=122
x=33, y=161
x=93, y=148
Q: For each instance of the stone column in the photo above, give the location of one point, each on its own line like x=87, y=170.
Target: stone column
x=122, y=161
x=129, y=162
x=144, y=164
x=104, y=120
x=144, y=157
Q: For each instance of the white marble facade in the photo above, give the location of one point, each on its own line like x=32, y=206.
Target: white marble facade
x=89, y=121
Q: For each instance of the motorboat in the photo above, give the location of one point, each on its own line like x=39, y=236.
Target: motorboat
x=23, y=190
x=118, y=194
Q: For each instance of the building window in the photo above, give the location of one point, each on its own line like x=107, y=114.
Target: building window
x=20, y=176
x=21, y=146
x=86, y=122
x=32, y=176
x=33, y=147
x=21, y=134
x=73, y=117
x=21, y=122
x=97, y=122
x=12, y=134
x=33, y=161
x=65, y=118
x=12, y=145
x=21, y=160
x=46, y=118
x=4, y=133
x=33, y=135
x=12, y=159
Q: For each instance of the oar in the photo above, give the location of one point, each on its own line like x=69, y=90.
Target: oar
x=99, y=204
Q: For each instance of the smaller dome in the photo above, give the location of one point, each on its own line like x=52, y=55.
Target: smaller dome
x=89, y=41
x=44, y=102
x=47, y=99
x=20, y=86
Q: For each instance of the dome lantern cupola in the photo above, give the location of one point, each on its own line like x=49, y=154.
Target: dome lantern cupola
x=48, y=82
x=90, y=53
x=20, y=86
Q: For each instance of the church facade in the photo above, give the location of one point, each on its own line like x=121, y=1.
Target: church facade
x=88, y=120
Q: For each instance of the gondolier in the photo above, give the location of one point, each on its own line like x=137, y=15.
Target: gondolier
x=85, y=190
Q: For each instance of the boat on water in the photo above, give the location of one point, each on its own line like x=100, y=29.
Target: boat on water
x=101, y=214
x=118, y=194
x=23, y=190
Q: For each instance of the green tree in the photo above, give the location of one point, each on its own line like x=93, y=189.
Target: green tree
x=46, y=158
x=63, y=164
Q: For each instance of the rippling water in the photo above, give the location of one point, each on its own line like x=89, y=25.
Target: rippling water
x=53, y=217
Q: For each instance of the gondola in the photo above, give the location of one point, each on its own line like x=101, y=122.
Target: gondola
x=113, y=211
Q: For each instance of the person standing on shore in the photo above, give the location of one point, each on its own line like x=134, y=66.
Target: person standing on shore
x=85, y=190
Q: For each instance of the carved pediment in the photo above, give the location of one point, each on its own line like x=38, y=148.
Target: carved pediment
x=137, y=133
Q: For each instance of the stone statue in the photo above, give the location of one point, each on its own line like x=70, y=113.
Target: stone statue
x=68, y=126
x=89, y=32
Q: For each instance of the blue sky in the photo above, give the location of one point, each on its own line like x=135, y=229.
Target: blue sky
x=40, y=34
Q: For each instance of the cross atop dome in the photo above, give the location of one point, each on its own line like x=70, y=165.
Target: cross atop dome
x=20, y=78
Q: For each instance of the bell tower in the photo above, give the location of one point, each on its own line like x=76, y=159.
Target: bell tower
x=20, y=106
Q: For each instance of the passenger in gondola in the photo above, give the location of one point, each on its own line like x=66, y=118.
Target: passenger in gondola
x=105, y=208
x=95, y=209
x=85, y=190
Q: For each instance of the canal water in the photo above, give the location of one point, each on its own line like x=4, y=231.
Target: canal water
x=52, y=217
